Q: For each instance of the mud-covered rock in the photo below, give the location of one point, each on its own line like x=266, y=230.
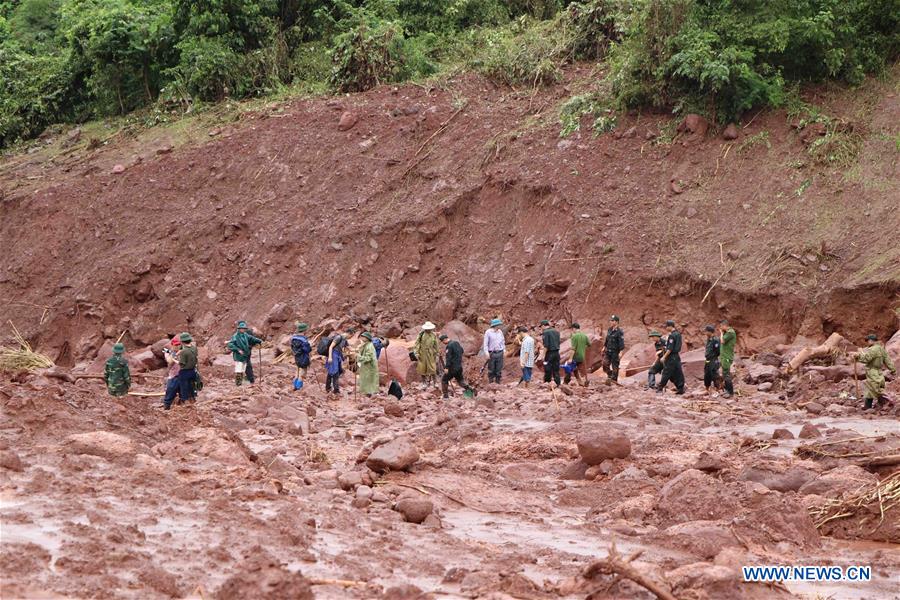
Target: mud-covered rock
x=160, y=580
x=709, y=462
x=269, y=582
x=105, y=444
x=10, y=460
x=347, y=121
x=693, y=496
x=414, y=510
x=809, y=431
x=836, y=482
x=465, y=335
x=704, y=539
x=574, y=471
x=782, y=434
x=397, y=455
x=393, y=409
x=603, y=443
x=778, y=479
x=761, y=373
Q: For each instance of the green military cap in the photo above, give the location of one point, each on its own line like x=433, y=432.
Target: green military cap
x=872, y=337
x=442, y=337
x=709, y=328
x=545, y=322
x=576, y=326
x=614, y=318
x=302, y=327
x=670, y=323
x=185, y=337
x=655, y=333
x=242, y=324
x=366, y=335
x=118, y=348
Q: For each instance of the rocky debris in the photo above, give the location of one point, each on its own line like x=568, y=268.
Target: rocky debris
x=776, y=477
x=146, y=360
x=893, y=347
x=603, y=443
x=266, y=581
x=809, y=431
x=731, y=132
x=836, y=482
x=716, y=581
x=781, y=433
x=397, y=455
x=10, y=460
x=405, y=591
x=160, y=580
x=694, y=496
x=349, y=480
x=104, y=444
x=709, y=462
x=468, y=338
x=574, y=471
x=393, y=409
x=347, y=121
x=395, y=364
x=760, y=373
x=814, y=408
x=704, y=539
x=414, y=510
x=484, y=402
x=694, y=124
x=117, y=169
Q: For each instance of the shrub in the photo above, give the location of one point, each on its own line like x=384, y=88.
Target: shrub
x=208, y=67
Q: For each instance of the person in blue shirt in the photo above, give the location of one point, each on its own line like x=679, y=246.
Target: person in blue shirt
x=334, y=365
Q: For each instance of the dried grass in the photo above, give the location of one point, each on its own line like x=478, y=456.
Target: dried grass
x=22, y=358
x=878, y=498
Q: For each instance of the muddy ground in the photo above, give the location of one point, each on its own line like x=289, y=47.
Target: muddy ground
x=264, y=492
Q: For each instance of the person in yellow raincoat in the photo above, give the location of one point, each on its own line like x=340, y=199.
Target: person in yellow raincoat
x=426, y=351
x=368, y=366
x=875, y=358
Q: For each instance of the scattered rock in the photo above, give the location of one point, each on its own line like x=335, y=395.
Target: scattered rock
x=603, y=443
x=814, y=408
x=565, y=389
x=405, y=591
x=484, y=402
x=348, y=120
x=694, y=124
x=414, y=510
x=788, y=480
x=765, y=387
x=398, y=455
x=760, y=373
x=118, y=169
x=393, y=409
x=693, y=496
x=102, y=443
x=160, y=580
x=10, y=460
x=809, y=431
x=349, y=480
x=265, y=580
x=782, y=434
x=364, y=491
x=709, y=463
x=731, y=132
x=574, y=471
x=836, y=482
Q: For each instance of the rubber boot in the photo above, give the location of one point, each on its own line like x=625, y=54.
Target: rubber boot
x=868, y=404
x=238, y=378
x=445, y=389
x=651, y=381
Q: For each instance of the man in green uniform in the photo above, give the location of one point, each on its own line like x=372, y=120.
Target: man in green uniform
x=368, y=366
x=426, y=351
x=671, y=361
x=187, y=368
x=116, y=373
x=711, y=366
x=660, y=348
x=241, y=346
x=613, y=347
x=875, y=358
x=550, y=342
x=580, y=343
x=727, y=340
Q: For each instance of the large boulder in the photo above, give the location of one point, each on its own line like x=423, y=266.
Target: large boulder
x=443, y=310
x=105, y=444
x=470, y=339
x=693, y=363
x=761, y=373
x=397, y=455
x=414, y=510
x=790, y=479
x=893, y=348
x=694, y=496
x=394, y=361
x=837, y=482
x=146, y=360
x=637, y=359
x=603, y=443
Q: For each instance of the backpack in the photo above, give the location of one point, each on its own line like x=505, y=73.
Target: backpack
x=322, y=346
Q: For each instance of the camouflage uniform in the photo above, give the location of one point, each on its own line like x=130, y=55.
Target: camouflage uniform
x=875, y=359
x=117, y=375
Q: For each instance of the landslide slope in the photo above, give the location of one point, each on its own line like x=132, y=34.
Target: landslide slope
x=458, y=199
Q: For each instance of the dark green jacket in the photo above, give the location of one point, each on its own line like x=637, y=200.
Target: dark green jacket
x=453, y=356
x=187, y=357
x=550, y=340
x=240, y=344
x=712, y=348
x=117, y=376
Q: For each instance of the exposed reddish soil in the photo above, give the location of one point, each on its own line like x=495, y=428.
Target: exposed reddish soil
x=460, y=202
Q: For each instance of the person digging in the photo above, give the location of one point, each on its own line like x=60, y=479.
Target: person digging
x=876, y=358
x=453, y=366
x=659, y=346
x=241, y=346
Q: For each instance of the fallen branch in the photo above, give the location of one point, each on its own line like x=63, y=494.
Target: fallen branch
x=341, y=582
x=614, y=564
x=440, y=129
x=147, y=394
x=716, y=282
x=831, y=347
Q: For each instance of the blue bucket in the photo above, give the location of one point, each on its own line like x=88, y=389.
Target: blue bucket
x=298, y=383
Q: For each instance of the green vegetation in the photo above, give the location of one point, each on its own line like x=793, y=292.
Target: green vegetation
x=73, y=60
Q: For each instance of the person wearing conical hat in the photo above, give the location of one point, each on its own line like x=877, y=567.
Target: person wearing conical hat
x=187, y=367
x=241, y=346
x=875, y=358
x=116, y=373
x=426, y=351
x=367, y=365
x=494, y=348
